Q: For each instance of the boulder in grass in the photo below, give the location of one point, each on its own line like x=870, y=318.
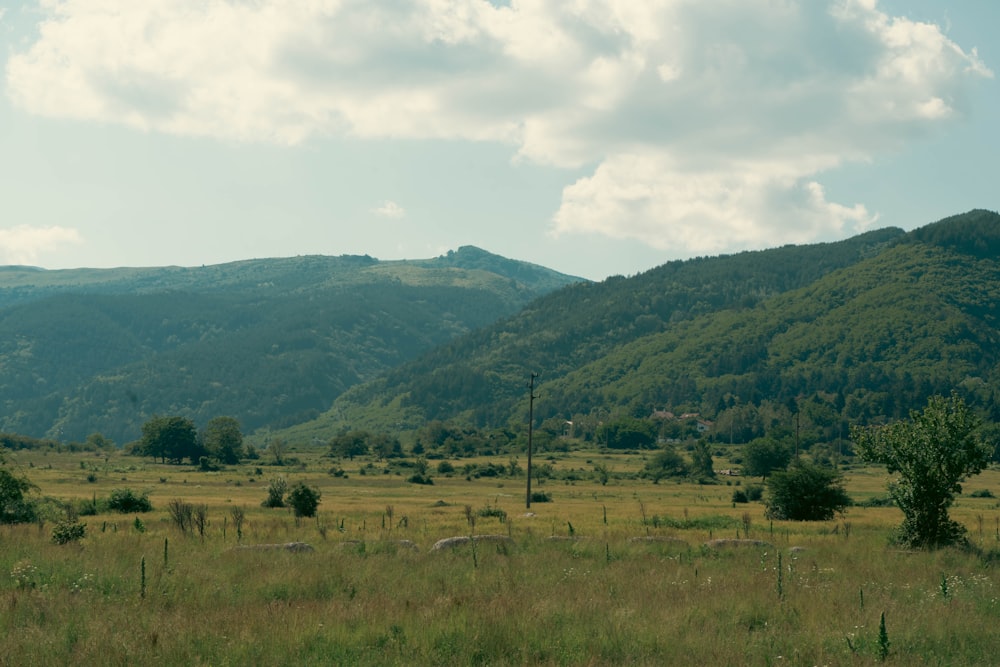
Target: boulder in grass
x=734, y=543
x=294, y=547
x=661, y=539
x=452, y=542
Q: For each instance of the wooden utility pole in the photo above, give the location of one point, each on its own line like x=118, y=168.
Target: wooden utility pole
x=531, y=422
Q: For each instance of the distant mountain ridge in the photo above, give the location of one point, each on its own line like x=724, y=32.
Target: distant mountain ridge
x=873, y=324
x=268, y=341
x=855, y=331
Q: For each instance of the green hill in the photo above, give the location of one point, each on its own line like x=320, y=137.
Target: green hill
x=594, y=344
x=271, y=342
x=860, y=330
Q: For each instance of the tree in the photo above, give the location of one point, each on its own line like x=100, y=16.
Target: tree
x=932, y=452
x=97, y=441
x=350, y=444
x=761, y=456
x=223, y=440
x=805, y=492
x=666, y=463
x=276, y=489
x=304, y=500
x=14, y=508
x=628, y=433
x=170, y=439
x=702, y=467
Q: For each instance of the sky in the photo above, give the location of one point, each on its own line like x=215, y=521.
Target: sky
x=594, y=137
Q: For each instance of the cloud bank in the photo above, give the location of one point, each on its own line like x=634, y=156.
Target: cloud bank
x=705, y=126
x=390, y=209
x=23, y=244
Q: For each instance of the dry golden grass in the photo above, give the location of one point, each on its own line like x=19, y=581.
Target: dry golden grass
x=362, y=597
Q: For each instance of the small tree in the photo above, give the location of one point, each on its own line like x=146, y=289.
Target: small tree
x=665, y=463
x=805, y=492
x=304, y=500
x=276, y=490
x=14, y=507
x=223, y=439
x=762, y=456
x=933, y=452
x=170, y=439
x=702, y=466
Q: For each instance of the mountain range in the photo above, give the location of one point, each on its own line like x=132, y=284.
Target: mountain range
x=271, y=342
x=860, y=330
x=866, y=329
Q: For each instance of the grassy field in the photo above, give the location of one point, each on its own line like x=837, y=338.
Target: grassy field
x=602, y=575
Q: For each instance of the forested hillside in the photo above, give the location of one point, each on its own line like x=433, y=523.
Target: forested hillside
x=870, y=327
x=270, y=342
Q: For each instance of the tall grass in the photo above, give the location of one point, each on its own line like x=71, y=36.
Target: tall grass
x=364, y=598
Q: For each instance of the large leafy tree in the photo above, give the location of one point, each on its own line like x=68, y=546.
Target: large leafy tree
x=932, y=453
x=628, y=433
x=762, y=456
x=170, y=439
x=223, y=439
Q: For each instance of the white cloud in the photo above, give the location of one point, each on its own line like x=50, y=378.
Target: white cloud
x=23, y=244
x=708, y=123
x=390, y=209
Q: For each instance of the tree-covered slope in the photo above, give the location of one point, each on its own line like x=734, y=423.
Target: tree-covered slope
x=270, y=342
x=918, y=319
x=591, y=343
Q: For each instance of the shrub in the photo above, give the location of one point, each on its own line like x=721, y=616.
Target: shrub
x=740, y=496
x=68, y=531
x=304, y=499
x=182, y=514
x=982, y=493
x=276, y=489
x=489, y=511
x=805, y=492
x=541, y=497
x=127, y=501
x=420, y=479
x=14, y=507
x=755, y=492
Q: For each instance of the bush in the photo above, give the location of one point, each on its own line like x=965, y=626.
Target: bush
x=805, y=492
x=127, y=501
x=304, y=500
x=14, y=507
x=489, y=511
x=68, y=531
x=740, y=496
x=182, y=514
x=541, y=497
x=421, y=479
x=276, y=489
x=755, y=492
x=87, y=507
x=982, y=493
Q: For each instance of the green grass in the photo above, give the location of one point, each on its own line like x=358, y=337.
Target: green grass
x=362, y=598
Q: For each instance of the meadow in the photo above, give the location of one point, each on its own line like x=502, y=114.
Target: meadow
x=623, y=573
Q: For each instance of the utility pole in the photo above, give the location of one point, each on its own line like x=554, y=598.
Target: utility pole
x=531, y=421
